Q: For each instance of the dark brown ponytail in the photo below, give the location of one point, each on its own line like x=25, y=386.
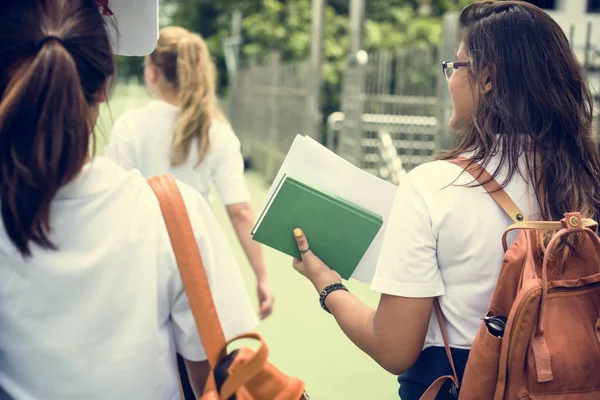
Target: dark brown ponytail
x=55, y=57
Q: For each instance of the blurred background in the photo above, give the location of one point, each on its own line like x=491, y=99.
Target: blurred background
x=364, y=78
x=357, y=75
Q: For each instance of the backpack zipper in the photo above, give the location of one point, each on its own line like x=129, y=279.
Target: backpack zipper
x=562, y=291
x=556, y=292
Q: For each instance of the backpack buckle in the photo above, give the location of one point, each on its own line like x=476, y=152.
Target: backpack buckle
x=454, y=391
x=572, y=221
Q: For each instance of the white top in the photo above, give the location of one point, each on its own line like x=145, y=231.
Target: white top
x=142, y=138
x=447, y=241
x=102, y=317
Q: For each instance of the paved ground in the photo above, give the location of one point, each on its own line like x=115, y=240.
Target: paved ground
x=304, y=340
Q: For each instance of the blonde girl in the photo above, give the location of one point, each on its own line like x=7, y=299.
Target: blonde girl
x=184, y=133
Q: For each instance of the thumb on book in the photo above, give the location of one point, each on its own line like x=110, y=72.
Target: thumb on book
x=301, y=241
x=311, y=266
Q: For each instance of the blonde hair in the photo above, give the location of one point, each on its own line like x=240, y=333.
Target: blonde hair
x=184, y=60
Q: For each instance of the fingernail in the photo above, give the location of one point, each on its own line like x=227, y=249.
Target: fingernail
x=298, y=232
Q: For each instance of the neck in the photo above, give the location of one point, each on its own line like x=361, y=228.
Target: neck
x=170, y=97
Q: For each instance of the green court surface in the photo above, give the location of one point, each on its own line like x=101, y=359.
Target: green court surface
x=304, y=341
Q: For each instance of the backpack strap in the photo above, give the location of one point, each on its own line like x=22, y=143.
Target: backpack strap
x=491, y=186
x=191, y=268
x=544, y=226
x=487, y=181
x=433, y=390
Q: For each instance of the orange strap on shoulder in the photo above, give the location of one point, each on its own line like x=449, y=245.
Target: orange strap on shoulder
x=198, y=291
x=190, y=266
x=492, y=187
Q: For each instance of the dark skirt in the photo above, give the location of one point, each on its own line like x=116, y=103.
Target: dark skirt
x=431, y=364
x=188, y=393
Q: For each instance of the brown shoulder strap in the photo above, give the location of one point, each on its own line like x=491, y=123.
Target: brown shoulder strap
x=543, y=226
x=440, y=317
x=492, y=187
x=190, y=265
x=433, y=390
x=512, y=210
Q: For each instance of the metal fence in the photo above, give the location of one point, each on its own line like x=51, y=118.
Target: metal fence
x=399, y=95
x=393, y=92
x=272, y=105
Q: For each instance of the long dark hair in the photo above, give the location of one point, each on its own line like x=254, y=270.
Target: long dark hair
x=540, y=106
x=55, y=57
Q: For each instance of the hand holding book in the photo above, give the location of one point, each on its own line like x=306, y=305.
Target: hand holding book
x=311, y=265
x=341, y=208
x=342, y=231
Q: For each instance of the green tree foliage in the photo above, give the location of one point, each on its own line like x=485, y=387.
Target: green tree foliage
x=285, y=26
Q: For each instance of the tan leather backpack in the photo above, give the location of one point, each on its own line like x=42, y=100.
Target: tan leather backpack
x=243, y=374
x=550, y=348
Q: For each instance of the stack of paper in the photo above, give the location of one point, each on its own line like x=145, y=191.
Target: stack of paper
x=318, y=167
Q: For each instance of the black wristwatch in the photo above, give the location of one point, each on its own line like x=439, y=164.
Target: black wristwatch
x=327, y=291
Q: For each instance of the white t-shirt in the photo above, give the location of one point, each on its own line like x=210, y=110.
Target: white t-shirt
x=446, y=240
x=103, y=317
x=142, y=138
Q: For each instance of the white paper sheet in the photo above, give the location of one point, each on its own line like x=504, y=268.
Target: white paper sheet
x=309, y=161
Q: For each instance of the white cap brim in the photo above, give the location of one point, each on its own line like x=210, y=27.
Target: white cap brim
x=136, y=23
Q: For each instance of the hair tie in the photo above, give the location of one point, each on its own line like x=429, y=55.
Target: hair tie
x=47, y=39
x=103, y=4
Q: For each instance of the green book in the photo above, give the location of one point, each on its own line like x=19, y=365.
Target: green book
x=339, y=232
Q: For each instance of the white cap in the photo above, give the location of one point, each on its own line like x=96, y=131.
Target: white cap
x=136, y=23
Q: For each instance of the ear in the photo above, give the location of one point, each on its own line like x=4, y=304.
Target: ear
x=487, y=79
x=152, y=74
x=101, y=95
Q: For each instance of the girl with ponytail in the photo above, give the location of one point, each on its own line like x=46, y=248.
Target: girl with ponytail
x=91, y=301
x=184, y=133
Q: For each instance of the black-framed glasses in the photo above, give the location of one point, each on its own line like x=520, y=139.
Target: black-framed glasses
x=448, y=67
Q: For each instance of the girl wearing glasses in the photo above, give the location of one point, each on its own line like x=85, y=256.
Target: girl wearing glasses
x=523, y=110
